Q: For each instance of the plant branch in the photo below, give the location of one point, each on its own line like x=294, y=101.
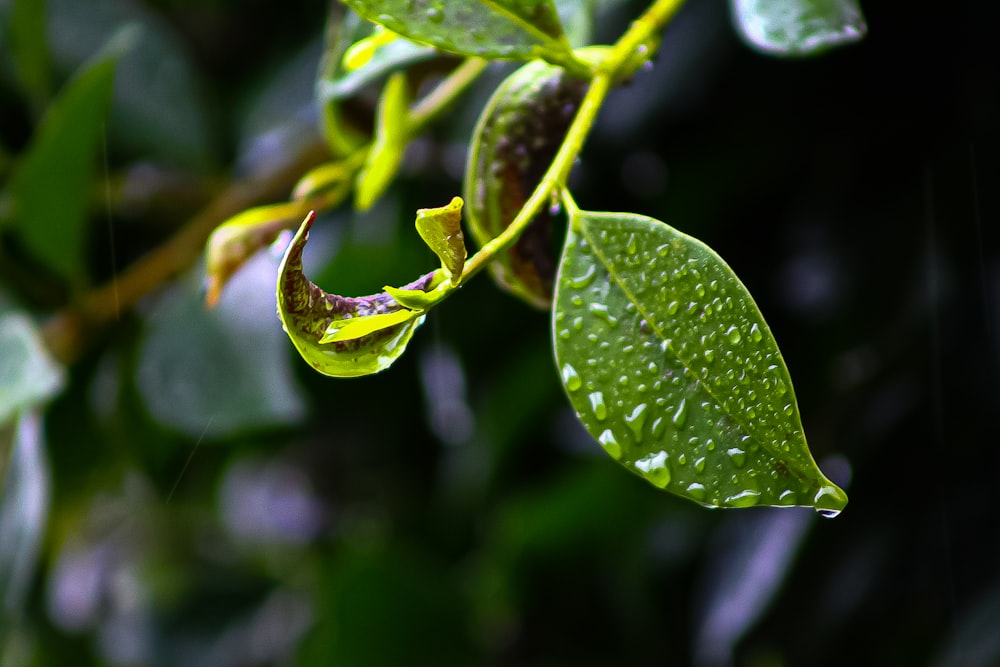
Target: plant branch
x=612, y=67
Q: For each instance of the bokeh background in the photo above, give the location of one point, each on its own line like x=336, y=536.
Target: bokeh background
x=194, y=495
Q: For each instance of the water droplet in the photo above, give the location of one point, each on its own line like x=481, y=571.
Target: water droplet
x=653, y=368
x=699, y=464
x=610, y=444
x=699, y=289
x=746, y=498
x=663, y=250
x=435, y=15
x=630, y=246
x=584, y=280
x=578, y=323
x=710, y=445
x=564, y=334
x=680, y=415
x=787, y=497
x=696, y=491
x=577, y=300
x=672, y=308
x=789, y=409
x=623, y=380
x=829, y=501
x=601, y=311
x=734, y=335
x=737, y=456
x=571, y=378
x=781, y=387
x=709, y=356
x=755, y=333
x=682, y=458
x=637, y=420
x=598, y=406
x=657, y=428
x=654, y=467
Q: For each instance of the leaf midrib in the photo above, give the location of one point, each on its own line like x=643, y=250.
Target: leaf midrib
x=702, y=384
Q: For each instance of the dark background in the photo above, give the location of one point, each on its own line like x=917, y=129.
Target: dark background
x=214, y=502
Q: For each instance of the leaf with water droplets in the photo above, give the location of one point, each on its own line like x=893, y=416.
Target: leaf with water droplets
x=671, y=367
x=504, y=29
x=798, y=27
x=316, y=321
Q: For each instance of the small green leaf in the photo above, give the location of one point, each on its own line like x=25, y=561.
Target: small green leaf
x=239, y=238
x=504, y=29
x=441, y=230
x=671, y=367
x=389, y=144
x=359, y=327
x=370, y=57
x=798, y=27
x=419, y=299
x=30, y=49
x=309, y=314
x=51, y=185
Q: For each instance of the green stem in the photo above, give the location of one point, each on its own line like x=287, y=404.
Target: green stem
x=445, y=93
x=612, y=67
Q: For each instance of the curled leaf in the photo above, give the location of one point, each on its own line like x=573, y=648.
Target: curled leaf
x=518, y=135
x=311, y=317
x=441, y=230
x=389, y=145
x=239, y=238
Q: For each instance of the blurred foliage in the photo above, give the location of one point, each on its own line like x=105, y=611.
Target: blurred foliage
x=168, y=501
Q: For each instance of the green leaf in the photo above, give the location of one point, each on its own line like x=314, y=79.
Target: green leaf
x=28, y=374
x=236, y=240
x=798, y=27
x=374, y=54
x=389, y=145
x=441, y=230
x=51, y=186
x=499, y=29
x=359, y=327
x=30, y=49
x=671, y=367
x=308, y=314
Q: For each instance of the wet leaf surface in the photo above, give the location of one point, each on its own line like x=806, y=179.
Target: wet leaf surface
x=511, y=29
x=798, y=27
x=672, y=369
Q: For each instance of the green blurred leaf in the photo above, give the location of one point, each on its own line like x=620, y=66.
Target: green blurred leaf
x=308, y=313
x=51, y=186
x=671, y=367
x=220, y=372
x=441, y=230
x=577, y=19
x=798, y=27
x=381, y=56
x=505, y=29
x=389, y=145
x=28, y=375
x=29, y=47
x=236, y=240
